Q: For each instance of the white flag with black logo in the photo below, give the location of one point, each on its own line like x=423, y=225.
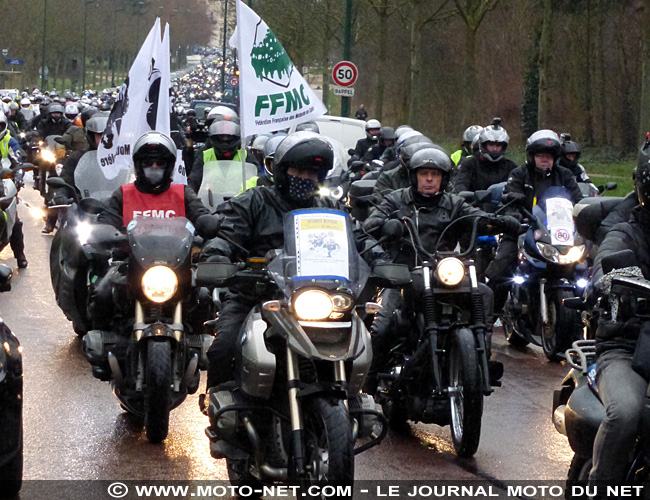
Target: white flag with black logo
x=273, y=95
x=140, y=107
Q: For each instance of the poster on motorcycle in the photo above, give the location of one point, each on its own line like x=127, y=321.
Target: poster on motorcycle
x=273, y=94
x=559, y=221
x=143, y=104
x=321, y=244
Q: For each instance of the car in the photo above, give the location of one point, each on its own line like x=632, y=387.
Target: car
x=201, y=106
x=11, y=404
x=346, y=131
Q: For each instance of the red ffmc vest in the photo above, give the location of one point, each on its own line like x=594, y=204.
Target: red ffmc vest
x=171, y=203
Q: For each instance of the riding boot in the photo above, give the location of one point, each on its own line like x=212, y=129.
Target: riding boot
x=17, y=243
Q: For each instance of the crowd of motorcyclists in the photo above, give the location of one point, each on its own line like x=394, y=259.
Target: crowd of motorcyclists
x=413, y=179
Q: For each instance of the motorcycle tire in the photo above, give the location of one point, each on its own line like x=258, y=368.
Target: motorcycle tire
x=510, y=327
x=11, y=473
x=467, y=397
x=327, y=432
x=564, y=326
x=157, y=393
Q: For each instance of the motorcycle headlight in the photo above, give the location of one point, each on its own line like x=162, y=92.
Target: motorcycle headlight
x=48, y=156
x=548, y=251
x=159, y=284
x=450, y=271
x=573, y=255
x=313, y=305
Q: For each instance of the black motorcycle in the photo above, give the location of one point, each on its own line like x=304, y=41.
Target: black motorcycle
x=577, y=408
x=11, y=404
x=551, y=269
x=295, y=408
x=438, y=369
x=155, y=347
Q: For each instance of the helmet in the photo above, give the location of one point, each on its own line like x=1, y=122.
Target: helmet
x=7, y=99
x=431, y=157
x=493, y=133
x=55, y=108
x=569, y=147
x=401, y=129
x=191, y=112
x=301, y=150
x=225, y=137
x=3, y=125
x=309, y=126
x=13, y=106
x=269, y=152
x=260, y=141
x=25, y=102
x=71, y=111
x=87, y=113
x=542, y=141
x=468, y=136
x=104, y=106
x=95, y=125
x=407, y=152
x=221, y=113
x=154, y=146
x=387, y=137
x=372, y=125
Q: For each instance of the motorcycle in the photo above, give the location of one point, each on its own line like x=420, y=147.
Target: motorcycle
x=73, y=263
x=438, y=369
x=50, y=162
x=551, y=268
x=577, y=408
x=295, y=408
x=11, y=181
x=153, y=353
x=11, y=405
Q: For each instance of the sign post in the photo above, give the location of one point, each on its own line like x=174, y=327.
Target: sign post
x=345, y=75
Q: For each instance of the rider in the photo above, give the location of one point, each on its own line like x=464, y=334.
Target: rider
x=570, y=156
x=432, y=210
x=76, y=138
x=528, y=184
x=254, y=221
x=621, y=389
x=386, y=140
x=372, y=137
x=9, y=149
x=225, y=140
x=55, y=123
x=466, y=148
x=490, y=166
x=154, y=158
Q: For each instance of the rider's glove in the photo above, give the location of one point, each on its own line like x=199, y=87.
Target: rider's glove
x=508, y=224
x=208, y=225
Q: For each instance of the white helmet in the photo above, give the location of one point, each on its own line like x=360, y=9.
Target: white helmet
x=71, y=111
x=25, y=102
x=3, y=125
x=373, y=125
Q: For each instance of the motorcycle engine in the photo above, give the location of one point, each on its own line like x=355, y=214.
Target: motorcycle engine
x=226, y=424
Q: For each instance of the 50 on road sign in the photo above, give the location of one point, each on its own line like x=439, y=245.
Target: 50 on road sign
x=345, y=74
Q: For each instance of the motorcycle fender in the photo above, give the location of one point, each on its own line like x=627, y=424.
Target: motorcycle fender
x=257, y=371
x=583, y=415
x=361, y=355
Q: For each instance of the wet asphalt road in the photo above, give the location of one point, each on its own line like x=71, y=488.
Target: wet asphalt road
x=75, y=429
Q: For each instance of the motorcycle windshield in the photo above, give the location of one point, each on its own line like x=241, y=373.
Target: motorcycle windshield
x=161, y=241
x=555, y=210
x=91, y=181
x=223, y=180
x=319, y=248
x=50, y=143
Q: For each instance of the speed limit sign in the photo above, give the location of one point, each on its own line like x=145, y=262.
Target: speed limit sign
x=345, y=74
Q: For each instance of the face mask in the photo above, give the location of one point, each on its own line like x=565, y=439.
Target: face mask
x=301, y=190
x=153, y=175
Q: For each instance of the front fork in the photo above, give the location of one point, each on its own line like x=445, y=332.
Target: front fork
x=295, y=411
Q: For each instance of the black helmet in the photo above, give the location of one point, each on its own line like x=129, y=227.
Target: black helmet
x=301, y=150
x=387, y=137
x=191, y=112
x=641, y=174
x=95, y=125
x=154, y=146
x=104, y=106
x=493, y=133
x=542, y=141
x=569, y=147
x=225, y=137
x=431, y=157
x=407, y=152
x=404, y=144
x=87, y=112
x=308, y=126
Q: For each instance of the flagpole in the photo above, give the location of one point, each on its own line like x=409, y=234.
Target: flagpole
x=241, y=105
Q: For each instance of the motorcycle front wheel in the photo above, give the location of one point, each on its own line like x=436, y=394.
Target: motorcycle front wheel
x=563, y=328
x=466, y=395
x=510, y=325
x=157, y=397
x=329, y=447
